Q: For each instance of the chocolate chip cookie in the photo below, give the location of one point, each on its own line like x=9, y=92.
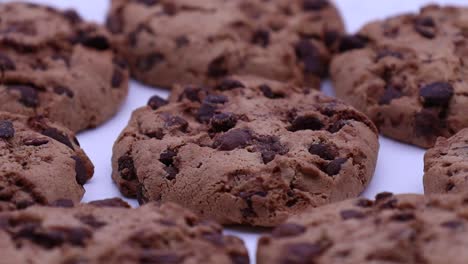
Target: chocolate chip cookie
x=170, y=41
x=99, y=233
x=446, y=165
x=245, y=151
x=40, y=163
x=408, y=73
x=56, y=65
x=409, y=229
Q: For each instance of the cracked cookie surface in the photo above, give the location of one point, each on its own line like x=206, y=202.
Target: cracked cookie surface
x=110, y=232
x=56, y=65
x=412, y=229
x=245, y=151
x=184, y=41
x=40, y=163
x=446, y=165
x=408, y=73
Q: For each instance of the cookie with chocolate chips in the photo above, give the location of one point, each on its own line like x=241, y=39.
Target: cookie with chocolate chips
x=446, y=165
x=390, y=229
x=183, y=41
x=40, y=163
x=408, y=74
x=56, y=65
x=245, y=151
x=111, y=232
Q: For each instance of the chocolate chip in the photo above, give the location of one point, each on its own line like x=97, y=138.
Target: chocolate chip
x=267, y=92
x=218, y=67
x=167, y=157
x=364, y=203
x=7, y=130
x=63, y=203
x=452, y=224
x=216, y=99
x=426, y=27
x=191, y=93
x=149, y=257
x=324, y=151
x=156, y=102
x=351, y=214
x=310, y=57
x=223, y=122
x=148, y=2
x=178, y=122
x=288, y=230
x=305, y=123
x=382, y=196
x=29, y=95
x=239, y=258
x=117, y=78
x=6, y=64
x=140, y=195
x=35, y=141
x=126, y=168
x=58, y=136
x=229, y=84
x=80, y=170
x=436, y=94
x=390, y=94
x=146, y=63
x=314, y=5
x=450, y=186
x=97, y=42
x=91, y=221
x=171, y=172
x=261, y=37
x=60, y=89
x=72, y=16
x=334, y=167
x=182, y=41
x=331, y=37
x=111, y=202
x=206, y=112
x=269, y=147
x=237, y=138
x=352, y=42
x=403, y=217
x=54, y=237
x=427, y=123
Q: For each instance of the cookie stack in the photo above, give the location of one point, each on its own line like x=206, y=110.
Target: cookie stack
x=245, y=137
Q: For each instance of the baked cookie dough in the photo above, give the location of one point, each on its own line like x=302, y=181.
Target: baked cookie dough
x=185, y=41
x=40, y=163
x=446, y=165
x=408, y=74
x=411, y=229
x=109, y=232
x=55, y=65
x=245, y=151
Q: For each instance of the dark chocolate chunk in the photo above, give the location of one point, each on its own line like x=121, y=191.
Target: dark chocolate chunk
x=218, y=67
x=63, y=90
x=156, y=102
x=352, y=214
x=324, y=151
x=382, y=196
x=111, y=202
x=126, y=168
x=261, y=37
x=146, y=63
x=64, y=203
x=334, y=167
x=403, y=217
x=268, y=92
x=310, y=57
x=314, y=5
x=237, y=138
x=301, y=253
x=288, y=230
x=427, y=123
x=35, y=141
x=206, y=112
x=57, y=135
x=390, y=94
x=148, y=2
x=182, y=41
x=29, y=95
x=91, y=221
x=80, y=170
x=452, y=224
x=229, y=84
x=6, y=64
x=72, y=16
x=167, y=157
x=114, y=23
x=436, y=94
x=178, y=122
x=353, y=42
x=426, y=27
x=117, y=78
x=305, y=123
x=7, y=130
x=223, y=122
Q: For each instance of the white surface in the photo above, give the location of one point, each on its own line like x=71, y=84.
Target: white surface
x=399, y=168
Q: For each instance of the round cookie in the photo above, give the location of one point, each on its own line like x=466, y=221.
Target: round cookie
x=55, y=65
x=408, y=74
x=245, y=151
x=40, y=163
x=184, y=41
x=392, y=229
x=103, y=232
x=446, y=165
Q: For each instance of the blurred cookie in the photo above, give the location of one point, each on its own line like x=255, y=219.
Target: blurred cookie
x=55, y=65
x=40, y=163
x=408, y=73
x=110, y=232
x=446, y=165
x=183, y=41
x=391, y=229
x=245, y=151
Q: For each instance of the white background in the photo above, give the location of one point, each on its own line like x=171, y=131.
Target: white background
x=399, y=168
